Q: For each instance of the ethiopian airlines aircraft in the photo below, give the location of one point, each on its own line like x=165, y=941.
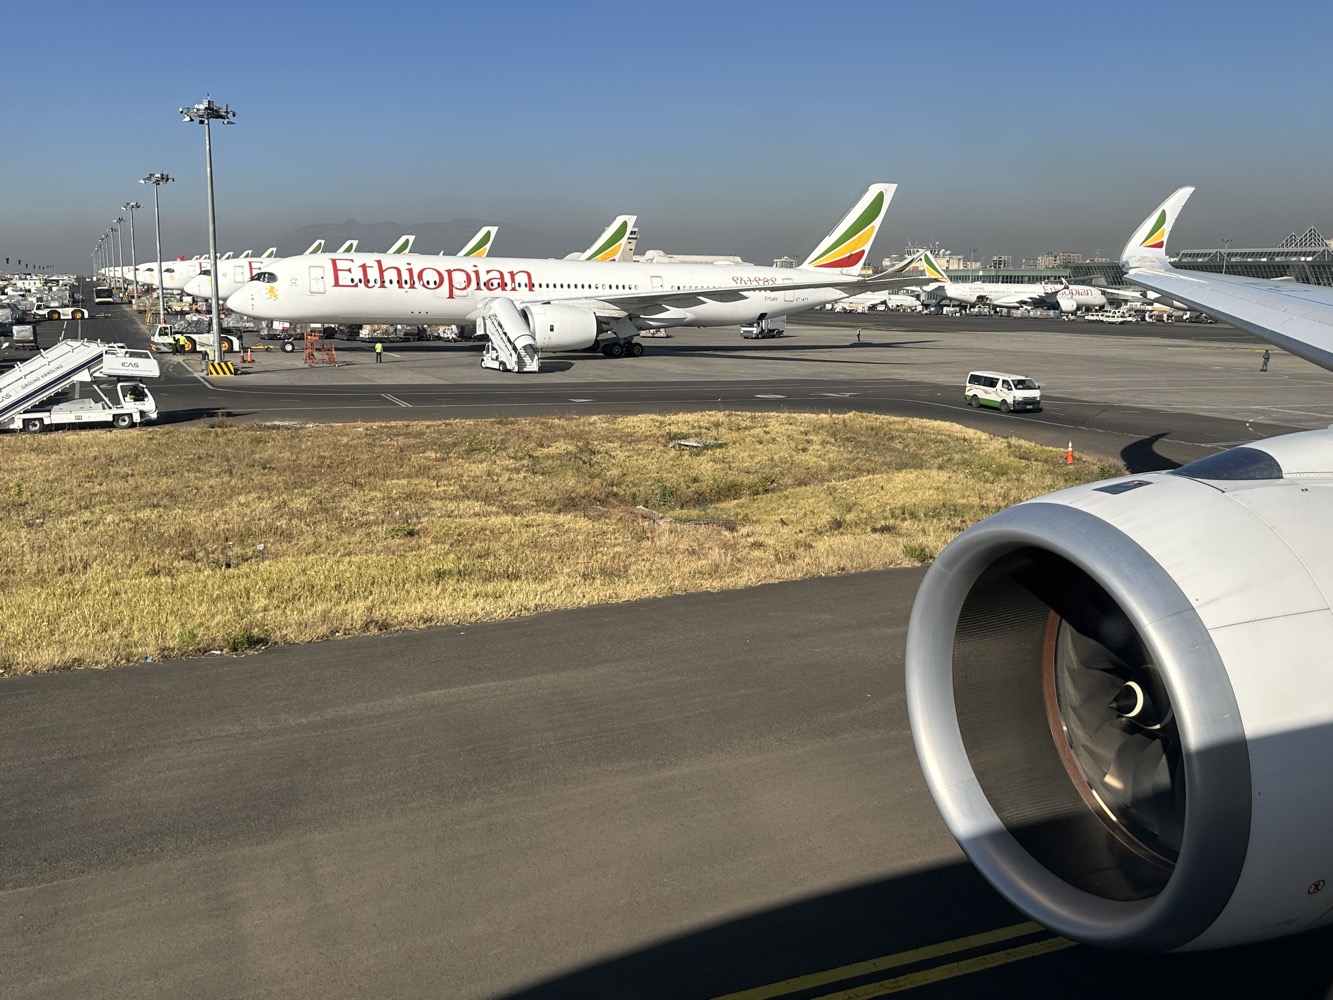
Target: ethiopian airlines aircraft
x=525, y=306
x=1001, y=295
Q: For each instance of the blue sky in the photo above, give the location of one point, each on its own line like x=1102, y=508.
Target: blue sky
x=728, y=127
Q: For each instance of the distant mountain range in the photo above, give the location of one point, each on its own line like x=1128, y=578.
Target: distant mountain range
x=432, y=237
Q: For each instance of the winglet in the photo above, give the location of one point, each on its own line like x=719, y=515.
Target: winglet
x=316, y=247
x=479, y=245
x=848, y=243
x=611, y=243
x=1147, y=247
x=932, y=268
x=404, y=245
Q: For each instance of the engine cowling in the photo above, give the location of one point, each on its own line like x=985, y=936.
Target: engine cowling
x=561, y=327
x=1121, y=700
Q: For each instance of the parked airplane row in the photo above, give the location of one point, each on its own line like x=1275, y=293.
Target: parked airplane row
x=524, y=307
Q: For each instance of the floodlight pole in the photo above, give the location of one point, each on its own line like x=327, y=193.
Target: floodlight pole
x=205, y=113
x=130, y=206
x=120, y=254
x=1226, y=255
x=157, y=180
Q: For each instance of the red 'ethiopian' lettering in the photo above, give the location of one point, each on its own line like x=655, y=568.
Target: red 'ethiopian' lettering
x=455, y=280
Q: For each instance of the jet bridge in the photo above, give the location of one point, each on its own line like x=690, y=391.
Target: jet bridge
x=30, y=383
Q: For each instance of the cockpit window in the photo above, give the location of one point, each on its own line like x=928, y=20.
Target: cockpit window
x=267, y=277
x=205, y=272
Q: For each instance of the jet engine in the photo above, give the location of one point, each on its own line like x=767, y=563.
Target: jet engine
x=1122, y=700
x=561, y=327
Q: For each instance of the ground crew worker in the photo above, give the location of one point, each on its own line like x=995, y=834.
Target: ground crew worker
x=1264, y=367
x=379, y=353
x=203, y=361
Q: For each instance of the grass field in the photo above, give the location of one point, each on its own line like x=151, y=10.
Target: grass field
x=116, y=546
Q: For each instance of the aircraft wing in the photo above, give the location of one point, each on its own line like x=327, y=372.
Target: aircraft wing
x=1295, y=317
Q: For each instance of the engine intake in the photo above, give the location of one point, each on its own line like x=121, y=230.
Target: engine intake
x=1113, y=690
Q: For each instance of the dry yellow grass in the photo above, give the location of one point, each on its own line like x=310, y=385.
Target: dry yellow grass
x=169, y=542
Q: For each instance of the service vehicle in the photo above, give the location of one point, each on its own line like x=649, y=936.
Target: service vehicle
x=53, y=312
x=102, y=293
x=198, y=336
x=132, y=405
x=1112, y=316
x=1002, y=391
x=28, y=390
x=765, y=328
x=23, y=335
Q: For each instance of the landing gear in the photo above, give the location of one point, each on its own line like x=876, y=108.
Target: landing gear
x=622, y=349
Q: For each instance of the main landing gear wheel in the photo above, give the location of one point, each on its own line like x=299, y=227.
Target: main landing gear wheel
x=615, y=349
x=635, y=349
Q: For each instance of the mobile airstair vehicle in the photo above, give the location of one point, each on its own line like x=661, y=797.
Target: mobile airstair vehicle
x=27, y=390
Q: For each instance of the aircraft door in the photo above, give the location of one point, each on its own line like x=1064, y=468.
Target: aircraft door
x=656, y=280
x=788, y=294
x=317, y=279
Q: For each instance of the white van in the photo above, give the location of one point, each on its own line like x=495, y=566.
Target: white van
x=1002, y=391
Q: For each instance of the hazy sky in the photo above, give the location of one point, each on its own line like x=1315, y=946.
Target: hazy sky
x=742, y=128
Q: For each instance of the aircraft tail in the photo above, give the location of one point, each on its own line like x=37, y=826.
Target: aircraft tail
x=226, y=256
x=613, y=240
x=932, y=268
x=479, y=245
x=848, y=243
x=316, y=247
x=1147, y=247
x=348, y=247
x=245, y=255
x=403, y=245
x=270, y=252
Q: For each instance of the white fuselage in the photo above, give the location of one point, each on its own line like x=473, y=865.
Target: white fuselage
x=419, y=289
x=1011, y=296
x=232, y=274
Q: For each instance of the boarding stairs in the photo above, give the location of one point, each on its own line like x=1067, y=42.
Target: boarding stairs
x=33, y=381
x=510, y=343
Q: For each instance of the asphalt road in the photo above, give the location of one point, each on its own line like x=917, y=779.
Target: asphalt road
x=687, y=797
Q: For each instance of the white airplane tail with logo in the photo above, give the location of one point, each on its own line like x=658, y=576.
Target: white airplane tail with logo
x=933, y=269
x=403, y=245
x=347, y=247
x=614, y=241
x=479, y=245
x=848, y=243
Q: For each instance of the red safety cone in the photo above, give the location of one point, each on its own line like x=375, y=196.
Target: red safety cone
x=1069, y=454
x=249, y=357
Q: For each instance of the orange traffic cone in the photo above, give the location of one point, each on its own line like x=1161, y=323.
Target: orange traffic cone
x=1069, y=454
x=249, y=357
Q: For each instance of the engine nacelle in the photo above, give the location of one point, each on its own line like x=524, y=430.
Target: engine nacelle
x=560, y=327
x=1122, y=700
